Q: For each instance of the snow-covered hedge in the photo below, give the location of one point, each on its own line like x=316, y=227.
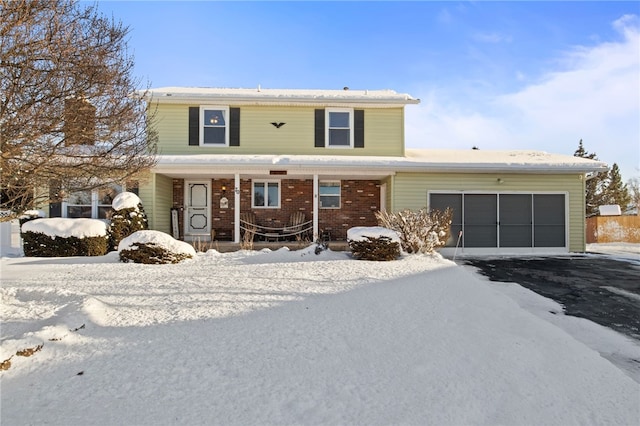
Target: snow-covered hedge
x=30, y=215
x=128, y=217
x=154, y=247
x=420, y=231
x=55, y=237
x=373, y=243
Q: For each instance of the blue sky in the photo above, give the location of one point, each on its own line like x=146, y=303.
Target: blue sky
x=497, y=75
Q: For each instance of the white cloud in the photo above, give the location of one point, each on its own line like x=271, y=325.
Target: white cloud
x=594, y=96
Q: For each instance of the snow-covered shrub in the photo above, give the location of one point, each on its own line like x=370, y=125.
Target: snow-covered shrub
x=154, y=247
x=30, y=215
x=127, y=217
x=373, y=243
x=59, y=237
x=420, y=231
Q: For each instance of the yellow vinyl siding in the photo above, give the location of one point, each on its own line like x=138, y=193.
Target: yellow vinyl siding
x=156, y=194
x=384, y=134
x=171, y=124
x=410, y=192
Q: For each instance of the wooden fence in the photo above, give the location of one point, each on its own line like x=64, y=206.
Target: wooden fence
x=613, y=229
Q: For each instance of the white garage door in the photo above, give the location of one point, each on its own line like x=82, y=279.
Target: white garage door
x=504, y=220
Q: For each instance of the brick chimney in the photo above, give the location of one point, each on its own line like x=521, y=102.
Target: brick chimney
x=79, y=122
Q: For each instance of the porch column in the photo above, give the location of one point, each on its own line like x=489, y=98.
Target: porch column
x=316, y=236
x=236, y=209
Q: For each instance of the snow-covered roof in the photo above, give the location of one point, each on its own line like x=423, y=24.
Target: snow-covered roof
x=415, y=160
x=262, y=96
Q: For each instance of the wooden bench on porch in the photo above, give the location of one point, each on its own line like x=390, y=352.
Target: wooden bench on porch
x=297, y=227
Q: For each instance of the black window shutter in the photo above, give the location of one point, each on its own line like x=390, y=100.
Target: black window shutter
x=319, y=128
x=194, y=126
x=358, y=128
x=234, y=126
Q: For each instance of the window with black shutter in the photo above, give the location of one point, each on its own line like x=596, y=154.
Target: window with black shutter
x=214, y=126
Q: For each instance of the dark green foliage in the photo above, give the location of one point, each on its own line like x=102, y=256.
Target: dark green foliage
x=375, y=248
x=41, y=245
x=125, y=222
x=151, y=254
x=616, y=192
x=594, y=184
x=603, y=188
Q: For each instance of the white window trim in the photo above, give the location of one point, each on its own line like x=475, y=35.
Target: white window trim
x=95, y=204
x=327, y=128
x=339, y=195
x=265, y=182
x=225, y=110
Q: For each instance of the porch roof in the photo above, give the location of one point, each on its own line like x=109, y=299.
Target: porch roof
x=415, y=160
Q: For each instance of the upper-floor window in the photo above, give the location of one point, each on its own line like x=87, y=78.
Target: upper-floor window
x=329, y=194
x=214, y=129
x=339, y=127
x=266, y=194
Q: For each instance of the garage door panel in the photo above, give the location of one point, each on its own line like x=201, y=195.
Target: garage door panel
x=480, y=236
x=515, y=220
x=515, y=235
x=480, y=209
x=454, y=202
x=549, y=236
x=515, y=209
x=480, y=220
x=549, y=220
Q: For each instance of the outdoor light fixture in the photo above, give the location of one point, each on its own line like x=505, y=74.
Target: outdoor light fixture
x=224, y=188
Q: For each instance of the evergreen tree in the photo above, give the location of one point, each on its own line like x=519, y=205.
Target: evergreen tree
x=594, y=184
x=615, y=191
x=126, y=218
x=634, y=188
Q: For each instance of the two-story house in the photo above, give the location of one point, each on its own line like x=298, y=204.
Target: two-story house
x=338, y=156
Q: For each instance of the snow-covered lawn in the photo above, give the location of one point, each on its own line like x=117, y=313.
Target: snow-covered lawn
x=290, y=337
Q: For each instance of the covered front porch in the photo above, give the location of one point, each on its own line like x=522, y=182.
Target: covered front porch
x=200, y=202
x=274, y=207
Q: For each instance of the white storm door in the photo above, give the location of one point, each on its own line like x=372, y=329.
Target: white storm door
x=198, y=211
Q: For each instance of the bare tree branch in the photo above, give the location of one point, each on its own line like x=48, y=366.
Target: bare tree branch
x=69, y=109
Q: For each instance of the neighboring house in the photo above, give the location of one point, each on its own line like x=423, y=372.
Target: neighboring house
x=338, y=156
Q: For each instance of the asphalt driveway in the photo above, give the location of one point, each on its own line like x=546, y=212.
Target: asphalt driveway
x=599, y=288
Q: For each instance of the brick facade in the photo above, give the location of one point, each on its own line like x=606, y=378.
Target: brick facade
x=360, y=199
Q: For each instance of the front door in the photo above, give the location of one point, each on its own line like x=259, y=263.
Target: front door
x=198, y=212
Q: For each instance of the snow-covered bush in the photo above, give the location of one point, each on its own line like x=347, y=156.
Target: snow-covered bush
x=30, y=215
x=373, y=243
x=127, y=217
x=420, y=231
x=154, y=247
x=59, y=237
